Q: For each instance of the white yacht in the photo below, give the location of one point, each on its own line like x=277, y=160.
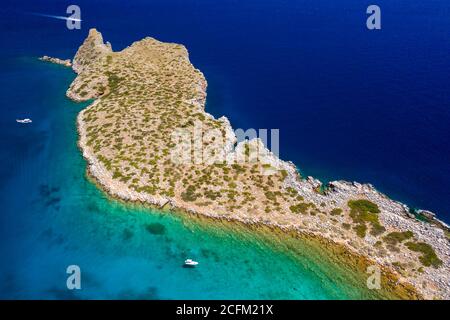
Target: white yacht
x=24, y=120
x=190, y=263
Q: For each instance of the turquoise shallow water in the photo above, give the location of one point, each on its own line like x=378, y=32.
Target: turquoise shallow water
x=54, y=217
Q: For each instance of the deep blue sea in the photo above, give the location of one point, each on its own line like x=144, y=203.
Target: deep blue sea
x=353, y=104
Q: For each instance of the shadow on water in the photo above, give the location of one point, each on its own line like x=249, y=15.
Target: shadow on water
x=127, y=234
x=50, y=196
x=52, y=238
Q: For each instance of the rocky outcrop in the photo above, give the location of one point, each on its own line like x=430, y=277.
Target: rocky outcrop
x=91, y=52
x=90, y=82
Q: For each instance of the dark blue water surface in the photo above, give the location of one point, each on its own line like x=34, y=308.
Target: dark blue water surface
x=353, y=104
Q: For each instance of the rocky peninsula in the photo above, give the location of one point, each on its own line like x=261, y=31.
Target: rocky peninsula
x=146, y=91
x=65, y=63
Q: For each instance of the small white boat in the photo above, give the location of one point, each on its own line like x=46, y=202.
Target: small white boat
x=190, y=263
x=24, y=120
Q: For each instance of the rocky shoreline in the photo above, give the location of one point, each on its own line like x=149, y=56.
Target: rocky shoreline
x=320, y=220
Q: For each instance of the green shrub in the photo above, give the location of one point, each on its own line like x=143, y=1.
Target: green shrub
x=213, y=195
x=360, y=230
x=271, y=195
x=247, y=150
x=363, y=206
x=189, y=195
x=429, y=257
x=377, y=229
x=300, y=208
x=336, y=212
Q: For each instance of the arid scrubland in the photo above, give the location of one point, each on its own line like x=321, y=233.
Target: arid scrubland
x=146, y=92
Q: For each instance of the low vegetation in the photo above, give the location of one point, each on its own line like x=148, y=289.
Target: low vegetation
x=336, y=212
x=300, y=208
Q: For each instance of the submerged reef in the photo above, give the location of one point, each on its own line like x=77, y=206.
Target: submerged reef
x=145, y=92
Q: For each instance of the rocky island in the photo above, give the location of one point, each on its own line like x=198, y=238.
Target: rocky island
x=66, y=63
x=145, y=92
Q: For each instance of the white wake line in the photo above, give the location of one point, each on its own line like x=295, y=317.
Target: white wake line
x=55, y=17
